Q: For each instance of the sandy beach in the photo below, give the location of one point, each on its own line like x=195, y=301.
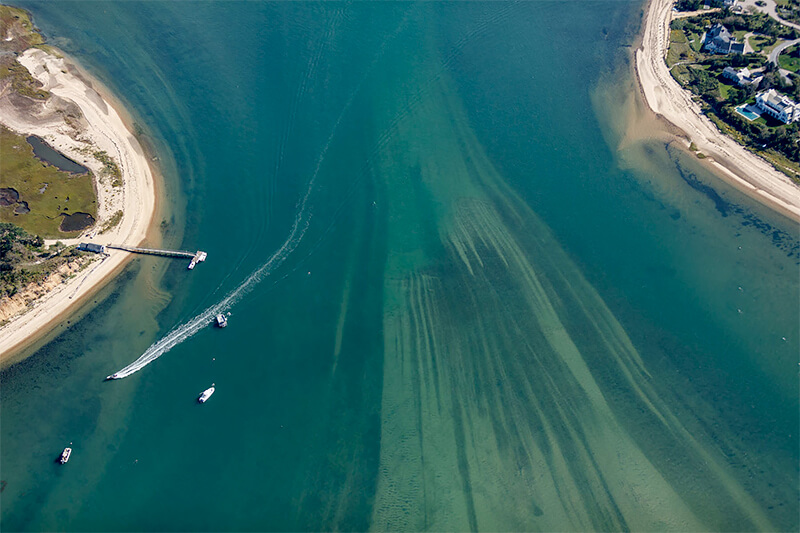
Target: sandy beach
x=103, y=128
x=665, y=97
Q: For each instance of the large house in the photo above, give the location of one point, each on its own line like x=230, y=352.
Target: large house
x=719, y=40
x=778, y=106
x=742, y=77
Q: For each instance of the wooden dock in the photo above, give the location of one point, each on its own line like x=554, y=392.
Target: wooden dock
x=196, y=257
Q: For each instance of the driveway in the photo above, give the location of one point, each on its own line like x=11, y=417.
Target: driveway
x=773, y=56
x=769, y=9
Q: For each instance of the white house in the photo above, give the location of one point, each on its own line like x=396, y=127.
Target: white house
x=742, y=77
x=778, y=106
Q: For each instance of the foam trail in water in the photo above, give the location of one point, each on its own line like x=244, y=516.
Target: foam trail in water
x=188, y=329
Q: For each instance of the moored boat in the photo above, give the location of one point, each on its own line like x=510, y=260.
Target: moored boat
x=206, y=394
x=65, y=455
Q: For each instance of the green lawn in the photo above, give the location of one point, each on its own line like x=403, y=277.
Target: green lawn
x=763, y=44
x=681, y=73
x=694, y=41
x=679, y=49
x=788, y=61
x=724, y=90
x=47, y=190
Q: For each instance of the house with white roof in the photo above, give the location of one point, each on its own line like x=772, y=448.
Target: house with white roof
x=778, y=106
x=742, y=77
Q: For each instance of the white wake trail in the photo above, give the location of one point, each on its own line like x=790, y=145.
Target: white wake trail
x=299, y=227
x=190, y=328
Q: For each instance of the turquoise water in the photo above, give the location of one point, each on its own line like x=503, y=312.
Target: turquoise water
x=482, y=312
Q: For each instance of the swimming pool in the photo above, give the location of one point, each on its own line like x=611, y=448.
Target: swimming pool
x=746, y=111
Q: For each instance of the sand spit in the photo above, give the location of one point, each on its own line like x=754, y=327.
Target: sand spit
x=98, y=126
x=665, y=97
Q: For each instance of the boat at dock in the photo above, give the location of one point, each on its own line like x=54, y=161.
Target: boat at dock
x=206, y=394
x=199, y=257
x=65, y=455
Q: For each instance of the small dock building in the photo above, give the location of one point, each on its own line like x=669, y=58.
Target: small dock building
x=91, y=247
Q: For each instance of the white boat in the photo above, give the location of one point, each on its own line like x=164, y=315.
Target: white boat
x=199, y=257
x=65, y=455
x=221, y=321
x=206, y=394
x=113, y=376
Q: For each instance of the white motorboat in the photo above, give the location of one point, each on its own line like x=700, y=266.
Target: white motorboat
x=65, y=455
x=199, y=257
x=221, y=321
x=113, y=376
x=206, y=394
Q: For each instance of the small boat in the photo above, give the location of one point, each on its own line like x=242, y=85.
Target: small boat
x=113, y=376
x=206, y=394
x=199, y=257
x=65, y=455
x=221, y=321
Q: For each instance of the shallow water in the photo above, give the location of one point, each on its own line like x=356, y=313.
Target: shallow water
x=47, y=153
x=469, y=312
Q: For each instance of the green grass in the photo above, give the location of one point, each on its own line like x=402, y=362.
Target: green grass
x=694, y=41
x=24, y=259
x=17, y=23
x=679, y=49
x=22, y=82
x=65, y=193
x=111, y=222
x=770, y=47
x=682, y=74
x=788, y=61
x=762, y=42
x=724, y=90
x=782, y=163
x=110, y=168
x=722, y=126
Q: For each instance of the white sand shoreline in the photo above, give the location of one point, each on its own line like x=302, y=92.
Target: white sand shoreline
x=664, y=96
x=103, y=129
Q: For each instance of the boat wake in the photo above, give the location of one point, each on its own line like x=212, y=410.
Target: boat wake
x=190, y=328
x=299, y=228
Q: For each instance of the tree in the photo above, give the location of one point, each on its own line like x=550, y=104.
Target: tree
x=737, y=96
x=739, y=60
x=705, y=82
